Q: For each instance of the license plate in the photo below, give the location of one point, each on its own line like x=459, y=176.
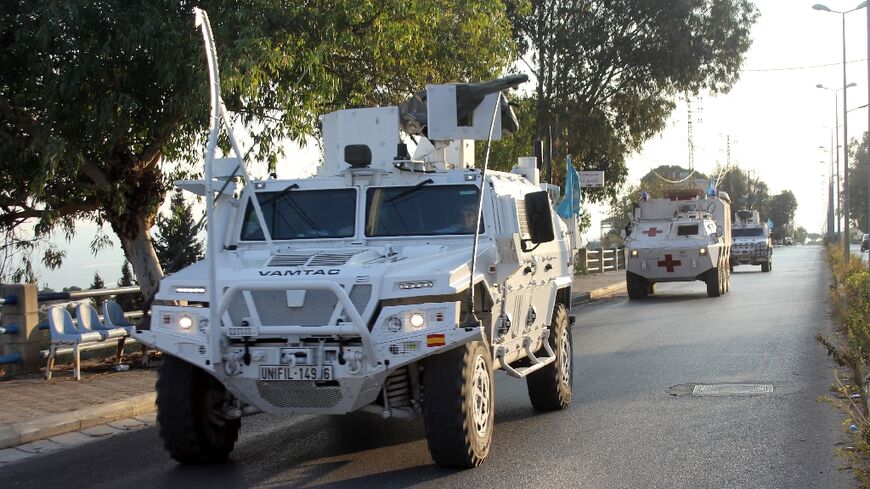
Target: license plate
x=298, y=372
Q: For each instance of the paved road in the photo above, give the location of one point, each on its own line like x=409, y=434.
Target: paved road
x=628, y=428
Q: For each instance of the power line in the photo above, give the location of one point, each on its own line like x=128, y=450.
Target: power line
x=808, y=67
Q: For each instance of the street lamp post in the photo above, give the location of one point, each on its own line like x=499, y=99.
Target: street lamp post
x=836, y=153
x=823, y=8
x=829, y=229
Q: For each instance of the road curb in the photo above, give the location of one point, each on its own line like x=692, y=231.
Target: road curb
x=14, y=434
x=596, y=294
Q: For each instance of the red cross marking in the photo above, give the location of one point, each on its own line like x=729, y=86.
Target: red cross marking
x=651, y=232
x=669, y=263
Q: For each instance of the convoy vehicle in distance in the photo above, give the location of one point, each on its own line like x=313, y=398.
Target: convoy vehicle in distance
x=685, y=237
x=752, y=244
x=368, y=287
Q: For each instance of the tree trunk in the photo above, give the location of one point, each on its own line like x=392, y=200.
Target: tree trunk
x=140, y=253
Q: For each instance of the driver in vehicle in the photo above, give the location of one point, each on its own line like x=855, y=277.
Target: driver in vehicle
x=469, y=218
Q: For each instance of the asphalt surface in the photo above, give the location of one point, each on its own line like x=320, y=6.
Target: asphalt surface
x=633, y=423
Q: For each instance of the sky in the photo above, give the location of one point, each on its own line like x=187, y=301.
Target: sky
x=775, y=117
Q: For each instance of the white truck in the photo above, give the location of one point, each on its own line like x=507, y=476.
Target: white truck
x=387, y=283
x=752, y=244
x=683, y=238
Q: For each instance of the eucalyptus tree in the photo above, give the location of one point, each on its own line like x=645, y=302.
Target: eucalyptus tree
x=97, y=98
x=607, y=72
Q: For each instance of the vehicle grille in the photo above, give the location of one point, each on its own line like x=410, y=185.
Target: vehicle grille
x=273, y=310
x=299, y=394
x=360, y=295
x=316, y=310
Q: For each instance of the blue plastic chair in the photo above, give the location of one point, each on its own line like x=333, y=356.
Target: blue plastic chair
x=64, y=332
x=89, y=320
x=113, y=316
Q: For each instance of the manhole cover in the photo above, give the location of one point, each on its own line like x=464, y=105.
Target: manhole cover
x=732, y=389
x=721, y=390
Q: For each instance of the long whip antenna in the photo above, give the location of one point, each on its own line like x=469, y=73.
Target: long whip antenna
x=470, y=320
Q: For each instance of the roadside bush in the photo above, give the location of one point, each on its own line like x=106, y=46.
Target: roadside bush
x=850, y=302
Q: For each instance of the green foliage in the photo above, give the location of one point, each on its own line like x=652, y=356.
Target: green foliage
x=176, y=243
x=98, y=284
x=128, y=302
x=745, y=191
x=859, y=183
x=800, y=235
x=781, y=209
x=608, y=72
x=93, y=95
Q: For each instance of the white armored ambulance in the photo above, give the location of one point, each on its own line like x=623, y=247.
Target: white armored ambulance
x=683, y=238
x=365, y=288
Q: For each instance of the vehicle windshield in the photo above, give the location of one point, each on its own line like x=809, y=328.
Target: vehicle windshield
x=687, y=230
x=302, y=214
x=423, y=210
x=746, y=232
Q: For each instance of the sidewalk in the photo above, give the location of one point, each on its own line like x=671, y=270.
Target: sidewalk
x=32, y=408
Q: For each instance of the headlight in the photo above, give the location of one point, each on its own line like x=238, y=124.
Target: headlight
x=190, y=290
x=185, y=322
x=633, y=253
x=417, y=320
x=702, y=251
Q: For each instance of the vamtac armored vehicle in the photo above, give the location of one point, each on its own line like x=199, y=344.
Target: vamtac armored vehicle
x=683, y=238
x=390, y=283
x=752, y=244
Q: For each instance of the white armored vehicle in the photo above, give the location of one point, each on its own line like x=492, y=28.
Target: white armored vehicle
x=684, y=238
x=387, y=283
x=752, y=244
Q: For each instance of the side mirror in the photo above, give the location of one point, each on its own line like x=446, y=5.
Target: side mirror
x=539, y=218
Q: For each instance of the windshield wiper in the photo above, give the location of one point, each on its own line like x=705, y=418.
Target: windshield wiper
x=409, y=191
x=279, y=194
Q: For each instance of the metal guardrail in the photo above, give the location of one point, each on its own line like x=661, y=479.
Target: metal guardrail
x=598, y=261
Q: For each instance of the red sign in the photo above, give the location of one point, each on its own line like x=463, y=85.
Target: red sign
x=651, y=232
x=669, y=263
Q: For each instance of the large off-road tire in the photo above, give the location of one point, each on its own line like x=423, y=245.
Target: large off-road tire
x=765, y=267
x=714, y=283
x=636, y=286
x=550, y=387
x=458, y=405
x=189, y=412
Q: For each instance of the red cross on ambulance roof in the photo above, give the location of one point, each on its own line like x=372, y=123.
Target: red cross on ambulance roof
x=669, y=263
x=651, y=232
